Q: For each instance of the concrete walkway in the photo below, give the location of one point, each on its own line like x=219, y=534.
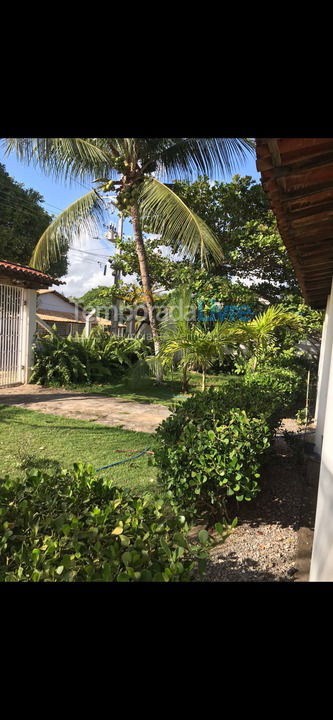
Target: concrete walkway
x=143, y=417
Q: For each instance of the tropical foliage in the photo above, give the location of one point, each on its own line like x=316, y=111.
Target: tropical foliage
x=98, y=358
x=71, y=526
x=143, y=166
x=210, y=447
x=212, y=460
x=239, y=215
x=260, y=331
x=22, y=222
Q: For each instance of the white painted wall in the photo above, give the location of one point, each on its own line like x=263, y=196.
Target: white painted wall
x=321, y=357
x=324, y=368
x=28, y=332
x=322, y=551
x=51, y=301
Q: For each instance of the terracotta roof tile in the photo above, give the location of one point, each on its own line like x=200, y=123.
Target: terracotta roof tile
x=29, y=272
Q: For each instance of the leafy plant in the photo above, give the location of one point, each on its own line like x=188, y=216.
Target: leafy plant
x=260, y=331
x=189, y=344
x=212, y=460
x=71, y=526
x=211, y=445
x=99, y=357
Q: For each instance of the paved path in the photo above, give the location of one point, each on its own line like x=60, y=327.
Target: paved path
x=144, y=417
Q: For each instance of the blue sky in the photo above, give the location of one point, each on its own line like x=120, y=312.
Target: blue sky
x=84, y=270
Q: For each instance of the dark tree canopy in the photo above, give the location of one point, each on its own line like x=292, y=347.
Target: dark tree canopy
x=239, y=215
x=22, y=222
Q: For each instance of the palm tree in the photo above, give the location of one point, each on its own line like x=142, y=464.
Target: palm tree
x=134, y=168
x=261, y=330
x=190, y=343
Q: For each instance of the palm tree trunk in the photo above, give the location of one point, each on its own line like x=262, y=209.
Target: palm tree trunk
x=203, y=379
x=185, y=386
x=146, y=284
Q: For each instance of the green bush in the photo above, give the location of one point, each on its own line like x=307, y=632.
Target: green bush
x=276, y=391
x=71, y=526
x=98, y=358
x=211, y=460
x=210, y=448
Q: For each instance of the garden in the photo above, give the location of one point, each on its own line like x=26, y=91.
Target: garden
x=83, y=501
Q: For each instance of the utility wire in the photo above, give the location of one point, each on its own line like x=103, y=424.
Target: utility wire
x=87, y=252
x=25, y=201
x=28, y=208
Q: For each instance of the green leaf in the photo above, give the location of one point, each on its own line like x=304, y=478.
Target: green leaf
x=126, y=558
x=179, y=539
x=220, y=528
x=203, y=536
x=123, y=577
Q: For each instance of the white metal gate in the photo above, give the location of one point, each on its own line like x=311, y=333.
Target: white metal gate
x=11, y=334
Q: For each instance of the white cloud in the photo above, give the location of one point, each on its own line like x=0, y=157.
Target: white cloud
x=86, y=271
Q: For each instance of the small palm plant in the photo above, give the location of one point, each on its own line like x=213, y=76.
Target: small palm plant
x=260, y=331
x=189, y=343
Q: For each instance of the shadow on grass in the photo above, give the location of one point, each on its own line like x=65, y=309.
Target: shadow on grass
x=145, y=391
x=44, y=464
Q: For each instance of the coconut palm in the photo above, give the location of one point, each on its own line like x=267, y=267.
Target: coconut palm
x=137, y=170
x=261, y=329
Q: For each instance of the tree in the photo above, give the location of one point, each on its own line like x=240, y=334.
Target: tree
x=141, y=164
x=239, y=215
x=22, y=221
x=163, y=269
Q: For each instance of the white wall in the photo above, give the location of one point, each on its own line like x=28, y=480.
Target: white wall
x=51, y=301
x=321, y=358
x=28, y=332
x=323, y=371
x=322, y=551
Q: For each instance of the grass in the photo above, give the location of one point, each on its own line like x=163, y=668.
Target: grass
x=148, y=390
x=33, y=439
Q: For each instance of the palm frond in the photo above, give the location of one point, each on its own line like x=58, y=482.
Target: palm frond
x=167, y=214
x=177, y=157
x=267, y=322
x=84, y=214
x=66, y=158
x=178, y=309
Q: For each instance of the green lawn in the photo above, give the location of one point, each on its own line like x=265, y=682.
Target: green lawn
x=33, y=439
x=148, y=390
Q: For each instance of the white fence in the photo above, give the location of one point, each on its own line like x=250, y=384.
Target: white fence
x=11, y=334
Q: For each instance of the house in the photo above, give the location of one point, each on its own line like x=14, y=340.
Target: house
x=53, y=308
x=19, y=285
x=297, y=175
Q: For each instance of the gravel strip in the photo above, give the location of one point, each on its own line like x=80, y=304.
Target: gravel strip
x=262, y=548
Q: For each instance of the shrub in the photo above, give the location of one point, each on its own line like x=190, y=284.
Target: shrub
x=206, y=466
x=279, y=389
x=211, y=445
x=211, y=460
x=72, y=526
x=77, y=360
